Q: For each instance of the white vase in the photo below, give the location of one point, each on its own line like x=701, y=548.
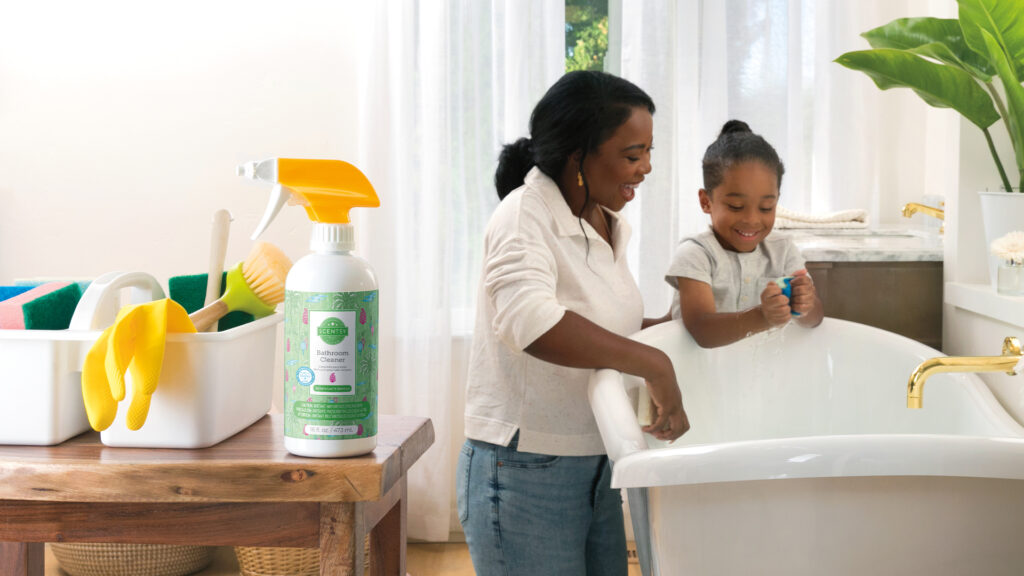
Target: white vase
x=1001, y=213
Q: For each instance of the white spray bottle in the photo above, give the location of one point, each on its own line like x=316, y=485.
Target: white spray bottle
x=330, y=307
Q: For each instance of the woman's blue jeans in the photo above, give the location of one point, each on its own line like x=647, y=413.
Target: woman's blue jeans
x=528, y=514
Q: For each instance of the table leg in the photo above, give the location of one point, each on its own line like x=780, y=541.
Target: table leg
x=22, y=559
x=388, y=538
x=340, y=527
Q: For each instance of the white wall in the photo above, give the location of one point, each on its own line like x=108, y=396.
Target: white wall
x=966, y=256
x=121, y=124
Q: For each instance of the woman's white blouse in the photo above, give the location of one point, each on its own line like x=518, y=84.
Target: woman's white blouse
x=536, y=266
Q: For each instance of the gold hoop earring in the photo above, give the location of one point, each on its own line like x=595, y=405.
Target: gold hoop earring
x=579, y=178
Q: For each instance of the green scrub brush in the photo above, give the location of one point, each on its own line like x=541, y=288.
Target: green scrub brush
x=255, y=286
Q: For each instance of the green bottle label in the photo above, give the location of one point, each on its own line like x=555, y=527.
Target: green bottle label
x=330, y=365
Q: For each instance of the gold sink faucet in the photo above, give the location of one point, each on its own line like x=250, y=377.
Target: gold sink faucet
x=910, y=208
x=1005, y=363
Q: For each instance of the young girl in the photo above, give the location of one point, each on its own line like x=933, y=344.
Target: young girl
x=725, y=275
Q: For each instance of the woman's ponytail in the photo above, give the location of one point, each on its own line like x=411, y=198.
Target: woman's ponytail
x=514, y=163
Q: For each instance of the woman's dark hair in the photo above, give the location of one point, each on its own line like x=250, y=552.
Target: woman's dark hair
x=737, y=143
x=579, y=112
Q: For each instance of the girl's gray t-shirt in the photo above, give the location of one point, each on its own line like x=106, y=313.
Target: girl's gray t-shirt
x=736, y=278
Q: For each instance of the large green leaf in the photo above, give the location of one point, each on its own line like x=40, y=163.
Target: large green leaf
x=1003, y=19
x=938, y=38
x=939, y=85
x=1014, y=97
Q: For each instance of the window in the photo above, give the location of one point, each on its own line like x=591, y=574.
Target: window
x=586, y=34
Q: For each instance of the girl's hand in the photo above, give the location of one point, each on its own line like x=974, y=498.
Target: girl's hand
x=774, y=305
x=804, y=294
x=670, y=421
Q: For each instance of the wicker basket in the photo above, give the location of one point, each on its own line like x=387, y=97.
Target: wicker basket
x=131, y=559
x=263, y=561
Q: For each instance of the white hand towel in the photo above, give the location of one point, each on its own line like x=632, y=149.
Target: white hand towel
x=855, y=218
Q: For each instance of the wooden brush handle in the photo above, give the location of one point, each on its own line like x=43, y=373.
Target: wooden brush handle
x=207, y=315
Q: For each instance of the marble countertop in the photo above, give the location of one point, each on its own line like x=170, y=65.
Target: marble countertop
x=868, y=244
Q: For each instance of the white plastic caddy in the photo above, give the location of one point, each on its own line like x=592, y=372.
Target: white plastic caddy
x=212, y=385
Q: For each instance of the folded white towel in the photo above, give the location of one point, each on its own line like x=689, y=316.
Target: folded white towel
x=856, y=218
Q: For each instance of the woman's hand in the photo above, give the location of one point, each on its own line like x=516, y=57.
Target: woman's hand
x=579, y=343
x=774, y=305
x=670, y=421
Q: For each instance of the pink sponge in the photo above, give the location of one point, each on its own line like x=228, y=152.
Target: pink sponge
x=46, y=307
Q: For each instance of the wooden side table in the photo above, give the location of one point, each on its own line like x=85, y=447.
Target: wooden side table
x=245, y=491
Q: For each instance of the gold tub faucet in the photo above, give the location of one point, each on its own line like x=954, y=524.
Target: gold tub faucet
x=1005, y=363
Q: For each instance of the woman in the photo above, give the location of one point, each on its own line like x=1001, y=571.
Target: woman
x=557, y=300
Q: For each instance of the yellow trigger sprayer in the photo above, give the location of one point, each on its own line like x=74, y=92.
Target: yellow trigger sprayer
x=330, y=310
x=327, y=189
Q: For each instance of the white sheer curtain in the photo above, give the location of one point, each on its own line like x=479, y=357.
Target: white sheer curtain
x=845, y=143
x=443, y=84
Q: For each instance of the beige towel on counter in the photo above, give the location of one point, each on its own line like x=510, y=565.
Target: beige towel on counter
x=856, y=218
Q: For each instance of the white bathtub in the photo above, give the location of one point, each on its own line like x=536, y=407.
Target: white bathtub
x=802, y=458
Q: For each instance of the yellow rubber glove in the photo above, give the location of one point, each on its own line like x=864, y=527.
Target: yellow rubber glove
x=100, y=406
x=136, y=343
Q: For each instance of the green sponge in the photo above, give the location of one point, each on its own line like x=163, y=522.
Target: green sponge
x=190, y=292
x=46, y=307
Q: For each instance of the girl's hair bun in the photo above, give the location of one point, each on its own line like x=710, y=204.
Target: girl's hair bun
x=733, y=126
x=737, y=143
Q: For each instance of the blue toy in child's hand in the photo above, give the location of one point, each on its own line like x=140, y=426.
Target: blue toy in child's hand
x=786, y=283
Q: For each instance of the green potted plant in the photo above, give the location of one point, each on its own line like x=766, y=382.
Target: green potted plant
x=954, y=63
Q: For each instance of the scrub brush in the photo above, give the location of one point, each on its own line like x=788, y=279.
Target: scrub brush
x=255, y=286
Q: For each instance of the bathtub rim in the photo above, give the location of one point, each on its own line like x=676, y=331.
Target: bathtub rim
x=637, y=465
x=824, y=457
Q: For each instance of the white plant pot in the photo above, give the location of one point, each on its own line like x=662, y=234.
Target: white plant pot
x=1001, y=212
